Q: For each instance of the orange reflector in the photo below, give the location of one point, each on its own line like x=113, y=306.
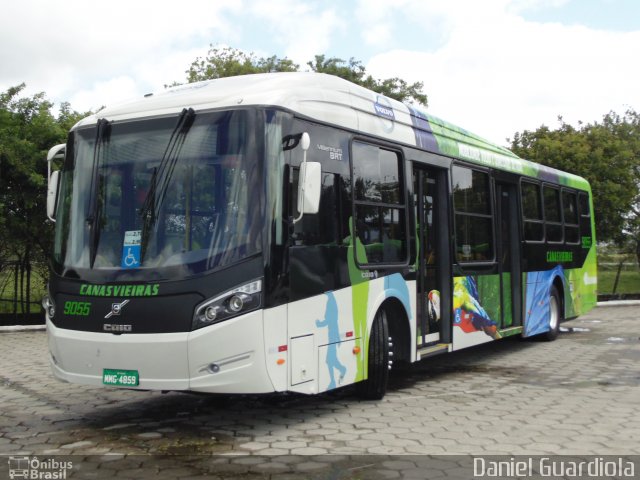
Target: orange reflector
x=280, y=361
x=356, y=350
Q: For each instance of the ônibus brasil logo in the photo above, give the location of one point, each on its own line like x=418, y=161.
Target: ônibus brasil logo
x=34, y=468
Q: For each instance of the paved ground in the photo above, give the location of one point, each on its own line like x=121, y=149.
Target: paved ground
x=578, y=395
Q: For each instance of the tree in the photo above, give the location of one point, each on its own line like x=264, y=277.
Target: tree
x=27, y=130
x=355, y=72
x=607, y=154
x=229, y=62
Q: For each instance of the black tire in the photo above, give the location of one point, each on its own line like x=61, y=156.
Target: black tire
x=555, y=315
x=375, y=386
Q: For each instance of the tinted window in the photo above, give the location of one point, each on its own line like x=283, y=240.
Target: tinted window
x=569, y=207
x=532, y=212
x=382, y=232
x=584, y=204
x=376, y=174
x=570, y=215
x=473, y=219
x=552, y=216
x=531, y=207
x=551, y=204
x=471, y=190
x=379, y=205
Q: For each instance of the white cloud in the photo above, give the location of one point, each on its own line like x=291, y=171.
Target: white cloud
x=304, y=29
x=72, y=48
x=498, y=74
x=108, y=92
x=483, y=66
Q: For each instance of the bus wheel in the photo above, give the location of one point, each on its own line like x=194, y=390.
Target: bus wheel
x=375, y=386
x=555, y=315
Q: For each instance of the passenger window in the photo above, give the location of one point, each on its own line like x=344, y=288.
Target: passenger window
x=584, y=204
x=473, y=215
x=532, y=212
x=552, y=215
x=379, y=205
x=570, y=212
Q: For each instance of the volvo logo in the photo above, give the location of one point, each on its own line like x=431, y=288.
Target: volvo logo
x=116, y=308
x=113, y=327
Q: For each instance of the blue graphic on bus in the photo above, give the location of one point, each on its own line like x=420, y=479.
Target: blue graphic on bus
x=331, y=322
x=537, y=300
x=396, y=286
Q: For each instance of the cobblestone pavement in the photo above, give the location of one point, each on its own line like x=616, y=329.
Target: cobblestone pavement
x=578, y=395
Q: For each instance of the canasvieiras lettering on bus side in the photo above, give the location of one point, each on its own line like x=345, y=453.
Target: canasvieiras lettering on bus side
x=119, y=290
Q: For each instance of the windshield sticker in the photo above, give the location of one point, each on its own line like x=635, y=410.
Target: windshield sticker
x=131, y=249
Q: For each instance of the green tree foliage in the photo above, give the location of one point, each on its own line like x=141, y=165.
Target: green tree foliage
x=607, y=154
x=27, y=130
x=229, y=62
x=355, y=72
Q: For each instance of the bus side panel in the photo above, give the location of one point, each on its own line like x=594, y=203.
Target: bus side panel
x=537, y=291
x=475, y=310
x=276, y=346
x=318, y=322
x=330, y=326
x=582, y=294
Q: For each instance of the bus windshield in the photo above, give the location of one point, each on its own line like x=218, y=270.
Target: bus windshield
x=162, y=198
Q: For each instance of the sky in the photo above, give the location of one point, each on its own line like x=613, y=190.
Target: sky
x=494, y=67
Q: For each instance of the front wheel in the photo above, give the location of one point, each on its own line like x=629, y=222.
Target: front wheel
x=555, y=315
x=375, y=386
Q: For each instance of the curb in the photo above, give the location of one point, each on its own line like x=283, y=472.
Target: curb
x=619, y=303
x=22, y=328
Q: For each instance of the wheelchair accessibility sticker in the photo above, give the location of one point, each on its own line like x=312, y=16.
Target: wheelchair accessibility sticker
x=131, y=249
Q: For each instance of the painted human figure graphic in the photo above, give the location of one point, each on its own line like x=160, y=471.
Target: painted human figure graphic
x=331, y=322
x=469, y=315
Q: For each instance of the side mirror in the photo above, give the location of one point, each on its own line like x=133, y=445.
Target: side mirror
x=309, y=187
x=309, y=182
x=55, y=153
x=52, y=195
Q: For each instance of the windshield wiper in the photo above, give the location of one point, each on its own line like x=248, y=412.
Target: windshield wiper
x=162, y=176
x=103, y=132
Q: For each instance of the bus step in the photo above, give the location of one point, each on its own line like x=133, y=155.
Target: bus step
x=507, y=332
x=433, y=350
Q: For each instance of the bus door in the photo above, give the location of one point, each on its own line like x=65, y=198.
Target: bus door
x=508, y=253
x=432, y=316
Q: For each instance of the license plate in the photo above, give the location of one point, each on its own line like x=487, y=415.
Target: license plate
x=120, y=378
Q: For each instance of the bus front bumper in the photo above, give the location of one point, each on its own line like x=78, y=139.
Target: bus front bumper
x=227, y=357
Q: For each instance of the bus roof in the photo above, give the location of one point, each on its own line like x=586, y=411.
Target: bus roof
x=336, y=101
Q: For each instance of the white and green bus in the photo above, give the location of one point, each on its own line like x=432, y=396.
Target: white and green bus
x=294, y=232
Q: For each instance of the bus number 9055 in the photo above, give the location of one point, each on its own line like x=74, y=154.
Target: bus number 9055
x=81, y=309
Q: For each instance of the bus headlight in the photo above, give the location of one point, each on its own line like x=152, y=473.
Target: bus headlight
x=230, y=304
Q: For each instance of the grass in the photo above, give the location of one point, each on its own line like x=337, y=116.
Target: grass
x=38, y=289
x=629, y=281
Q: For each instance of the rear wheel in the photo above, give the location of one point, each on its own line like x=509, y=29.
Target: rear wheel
x=555, y=315
x=375, y=386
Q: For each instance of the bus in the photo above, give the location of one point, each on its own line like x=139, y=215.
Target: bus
x=294, y=232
